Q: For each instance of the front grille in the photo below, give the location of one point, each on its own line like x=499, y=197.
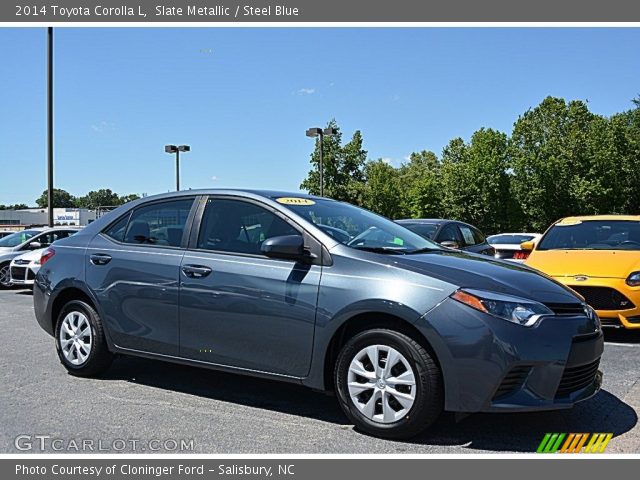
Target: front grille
x=22, y=262
x=18, y=273
x=604, y=298
x=566, y=308
x=633, y=319
x=30, y=275
x=576, y=378
x=610, y=322
x=512, y=381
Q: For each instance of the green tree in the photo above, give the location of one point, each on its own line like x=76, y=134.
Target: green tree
x=421, y=186
x=99, y=198
x=382, y=191
x=61, y=199
x=550, y=157
x=475, y=184
x=128, y=198
x=17, y=206
x=343, y=167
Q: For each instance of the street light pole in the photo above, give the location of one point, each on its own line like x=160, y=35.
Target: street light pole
x=318, y=132
x=50, y=126
x=177, y=149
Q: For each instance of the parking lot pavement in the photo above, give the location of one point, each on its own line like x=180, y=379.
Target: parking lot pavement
x=141, y=400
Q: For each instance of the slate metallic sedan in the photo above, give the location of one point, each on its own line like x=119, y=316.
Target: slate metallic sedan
x=321, y=293
x=450, y=233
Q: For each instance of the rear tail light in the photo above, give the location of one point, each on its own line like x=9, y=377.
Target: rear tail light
x=521, y=255
x=47, y=255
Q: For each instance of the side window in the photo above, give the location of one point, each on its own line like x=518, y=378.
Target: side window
x=116, y=230
x=477, y=234
x=159, y=223
x=239, y=227
x=449, y=233
x=467, y=235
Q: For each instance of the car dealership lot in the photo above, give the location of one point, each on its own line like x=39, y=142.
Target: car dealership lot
x=141, y=400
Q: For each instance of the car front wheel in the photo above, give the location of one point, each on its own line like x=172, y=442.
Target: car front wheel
x=388, y=384
x=5, y=276
x=80, y=340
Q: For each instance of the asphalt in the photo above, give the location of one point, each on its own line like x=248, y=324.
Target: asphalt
x=146, y=405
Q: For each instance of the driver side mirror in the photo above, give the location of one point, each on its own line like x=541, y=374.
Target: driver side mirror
x=450, y=244
x=35, y=246
x=527, y=246
x=288, y=247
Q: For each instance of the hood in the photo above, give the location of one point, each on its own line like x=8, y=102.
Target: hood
x=31, y=255
x=483, y=273
x=592, y=263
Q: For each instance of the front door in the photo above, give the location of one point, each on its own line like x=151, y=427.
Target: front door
x=238, y=307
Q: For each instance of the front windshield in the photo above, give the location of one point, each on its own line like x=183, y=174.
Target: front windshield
x=358, y=228
x=593, y=235
x=17, y=238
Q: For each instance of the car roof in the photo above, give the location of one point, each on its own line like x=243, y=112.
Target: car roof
x=587, y=218
x=231, y=191
x=435, y=221
x=512, y=233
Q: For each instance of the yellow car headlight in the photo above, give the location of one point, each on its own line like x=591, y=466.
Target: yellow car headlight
x=633, y=280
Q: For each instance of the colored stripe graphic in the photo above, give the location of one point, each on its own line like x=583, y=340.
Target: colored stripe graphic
x=574, y=442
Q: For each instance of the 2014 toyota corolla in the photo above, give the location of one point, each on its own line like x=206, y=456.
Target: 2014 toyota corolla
x=318, y=292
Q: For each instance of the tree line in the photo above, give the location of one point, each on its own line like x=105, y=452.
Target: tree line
x=103, y=197
x=560, y=159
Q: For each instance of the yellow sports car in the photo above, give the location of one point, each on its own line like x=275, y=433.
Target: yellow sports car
x=598, y=257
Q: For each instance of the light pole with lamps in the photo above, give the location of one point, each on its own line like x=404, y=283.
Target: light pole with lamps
x=177, y=149
x=318, y=132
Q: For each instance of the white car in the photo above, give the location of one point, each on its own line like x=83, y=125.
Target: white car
x=507, y=245
x=24, y=267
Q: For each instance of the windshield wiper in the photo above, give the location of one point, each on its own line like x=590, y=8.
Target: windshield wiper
x=424, y=250
x=394, y=251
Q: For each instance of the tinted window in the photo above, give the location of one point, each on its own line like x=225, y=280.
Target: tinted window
x=425, y=230
x=509, y=239
x=158, y=224
x=239, y=227
x=593, y=235
x=467, y=235
x=449, y=233
x=50, y=237
x=117, y=230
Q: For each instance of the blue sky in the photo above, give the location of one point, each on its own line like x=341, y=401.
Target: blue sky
x=243, y=97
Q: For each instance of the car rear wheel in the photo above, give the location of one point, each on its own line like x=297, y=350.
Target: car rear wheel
x=80, y=340
x=5, y=276
x=388, y=384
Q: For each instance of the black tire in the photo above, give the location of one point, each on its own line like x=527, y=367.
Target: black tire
x=4, y=276
x=99, y=358
x=428, y=402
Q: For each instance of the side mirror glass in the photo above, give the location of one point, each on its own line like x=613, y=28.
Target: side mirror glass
x=450, y=244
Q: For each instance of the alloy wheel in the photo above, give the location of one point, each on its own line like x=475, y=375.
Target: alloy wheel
x=75, y=338
x=381, y=383
x=5, y=276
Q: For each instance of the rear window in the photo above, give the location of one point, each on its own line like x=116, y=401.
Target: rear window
x=425, y=230
x=509, y=239
x=593, y=235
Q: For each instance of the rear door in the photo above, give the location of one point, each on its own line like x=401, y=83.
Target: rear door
x=238, y=307
x=133, y=267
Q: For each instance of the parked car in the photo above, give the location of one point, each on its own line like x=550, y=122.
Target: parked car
x=23, y=268
x=450, y=233
x=20, y=242
x=260, y=283
x=5, y=233
x=508, y=246
x=598, y=257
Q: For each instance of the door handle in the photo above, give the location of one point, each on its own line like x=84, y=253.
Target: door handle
x=196, y=271
x=100, y=258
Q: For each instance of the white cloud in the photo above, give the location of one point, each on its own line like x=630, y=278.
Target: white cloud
x=102, y=126
x=388, y=160
x=306, y=91
x=214, y=178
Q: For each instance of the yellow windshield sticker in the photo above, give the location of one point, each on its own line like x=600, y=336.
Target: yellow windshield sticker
x=568, y=221
x=295, y=201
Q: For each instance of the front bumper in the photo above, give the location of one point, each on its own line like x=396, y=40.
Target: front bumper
x=611, y=316
x=21, y=274
x=492, y=365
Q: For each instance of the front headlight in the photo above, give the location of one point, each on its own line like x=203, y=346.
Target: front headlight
x=513, y=309
x=633, y=280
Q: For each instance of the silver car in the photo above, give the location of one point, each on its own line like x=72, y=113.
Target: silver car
x=26, y=240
